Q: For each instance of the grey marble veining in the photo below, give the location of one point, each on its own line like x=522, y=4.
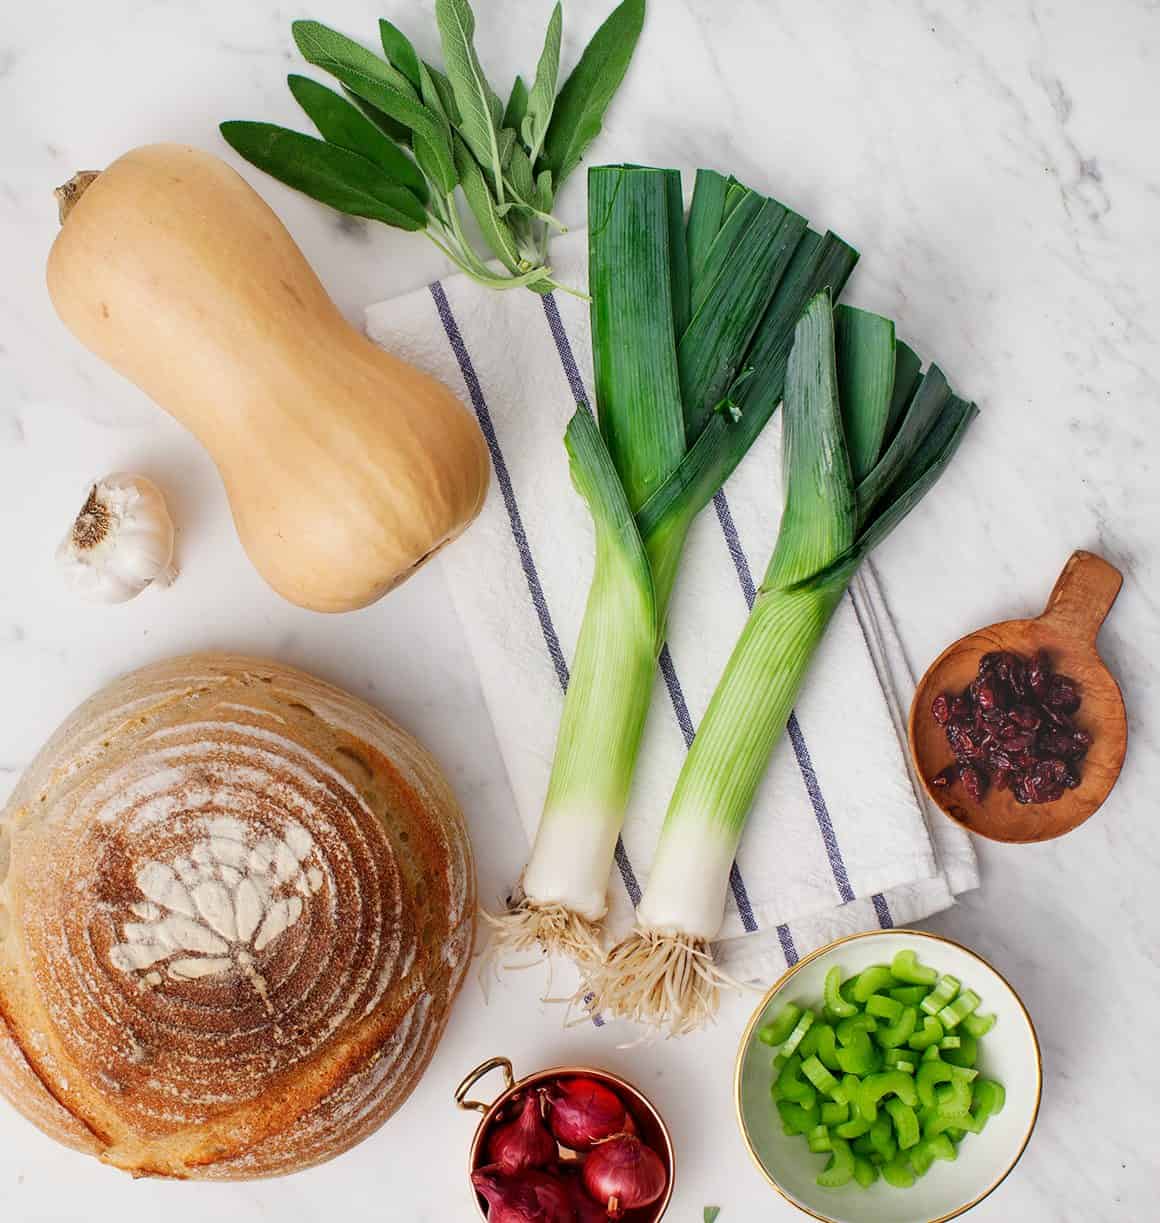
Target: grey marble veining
x=999, y=168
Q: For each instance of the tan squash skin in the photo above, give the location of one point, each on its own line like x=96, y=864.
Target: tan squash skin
x=345, y=467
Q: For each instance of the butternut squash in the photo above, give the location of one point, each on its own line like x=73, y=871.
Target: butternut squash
x=345, y=467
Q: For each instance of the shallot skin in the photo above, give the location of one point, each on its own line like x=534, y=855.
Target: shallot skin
x=530, y=1197
x=624, y=1174
x=584, y=1112
x=523, y=1143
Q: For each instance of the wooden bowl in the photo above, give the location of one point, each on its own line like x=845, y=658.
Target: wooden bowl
x=1067, y=630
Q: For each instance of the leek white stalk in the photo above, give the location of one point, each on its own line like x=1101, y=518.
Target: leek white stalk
x=663, y=974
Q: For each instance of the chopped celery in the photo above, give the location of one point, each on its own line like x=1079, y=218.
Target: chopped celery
x=826, y=1043
x=955, y=1012
x=835, y=1004
x=849, y=1029
x=905, y=967
x=875, y=1086
x=821, y=1078
x=872, y=980
x=798, y=1120
x=931, y=1034
x=863, y=1083
x=978, y=1025
x=820, y=1140
x=895, y=1034
x=905, y=1123
x=909, y=995
x=944, y=991
x=803, y=1025
x=929, y=1075
x=778, y=1029
x=966, y=1053
x=897, y=1173
x=840, y=1170
x=882, y=1007
x=865, y=1173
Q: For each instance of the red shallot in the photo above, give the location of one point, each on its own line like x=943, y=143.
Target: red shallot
x=584, y=1112
x=530, y=1197
x=586, y=1209
x=523, y=1143
x=624, y=1174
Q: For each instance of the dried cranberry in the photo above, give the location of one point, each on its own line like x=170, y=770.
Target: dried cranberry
x=1025, y=716
x=1064, y=695
x=1011, y=727
x=973, y=782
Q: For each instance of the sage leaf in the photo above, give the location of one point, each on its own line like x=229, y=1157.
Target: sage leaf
x=399, y=51
x=520, y=174
x=480, y=111
x=517, y=105
x=398, y=132
x=544, y=193
x=385, y=87
x=341, y=122
x=542, y=97
x=496, y=231
x=579, y=110
x=445, y=92
x=327, y=173
x=506, y=142
x=711, y=1213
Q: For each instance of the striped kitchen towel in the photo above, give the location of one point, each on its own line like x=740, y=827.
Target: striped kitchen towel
x=838, y=840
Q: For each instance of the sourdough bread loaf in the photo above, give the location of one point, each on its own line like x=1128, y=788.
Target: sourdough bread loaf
x=236, y=904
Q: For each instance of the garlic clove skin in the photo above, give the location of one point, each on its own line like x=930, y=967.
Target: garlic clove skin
x=121, y=541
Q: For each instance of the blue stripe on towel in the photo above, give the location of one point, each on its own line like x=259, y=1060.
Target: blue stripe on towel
x=668, y=669
x=527, y=562
x=788, y=949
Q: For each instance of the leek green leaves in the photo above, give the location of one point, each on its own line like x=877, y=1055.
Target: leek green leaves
x=410, y=140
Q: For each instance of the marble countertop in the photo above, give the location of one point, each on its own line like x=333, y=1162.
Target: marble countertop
x=999, y=168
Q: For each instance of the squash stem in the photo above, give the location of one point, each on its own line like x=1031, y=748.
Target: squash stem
x=68, y=194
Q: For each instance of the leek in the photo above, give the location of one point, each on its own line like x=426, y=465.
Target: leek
x=847, y=485
x=691, y=329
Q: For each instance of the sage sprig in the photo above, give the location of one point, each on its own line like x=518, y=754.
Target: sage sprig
x=409, y=143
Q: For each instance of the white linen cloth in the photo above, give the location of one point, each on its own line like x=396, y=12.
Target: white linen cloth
x=838, y=841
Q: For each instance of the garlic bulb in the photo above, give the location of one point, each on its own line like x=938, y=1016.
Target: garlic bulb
x=121, y=541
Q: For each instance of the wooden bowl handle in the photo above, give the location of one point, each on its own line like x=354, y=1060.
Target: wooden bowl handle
x=1083, y=595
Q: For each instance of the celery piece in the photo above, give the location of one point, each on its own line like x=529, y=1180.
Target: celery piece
x=944, y=991
x=882, y=1007
x=834, y=1114
x=905, y=1123
x=931, y=1034
x=955, y=1012
x=819, y=1139
x=978, y=1025
x=921, y=1159
x=858, y=1057
x=882, y=1136
x=949, y=1042
x=898, y=1173
x=875, y=1086
x=848, y=1030
x=895, y=1034
x=865, y=1173
x=798, y=1120
x=906, y=968
x=929, y=1075
x=840, y=1170
x=835, y=1003
x=782, y=1024
x=863, y=1145
x=909, y=995
x=987, y=1099
x=820, y=1077
x=871, y=981
x=941, y=1147
x=803, y=1025
x=826, y=1045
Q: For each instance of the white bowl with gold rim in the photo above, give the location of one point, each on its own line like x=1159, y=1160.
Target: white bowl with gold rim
x=1008, y=1053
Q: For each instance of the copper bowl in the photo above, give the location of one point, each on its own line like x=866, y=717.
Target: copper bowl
x=651, y=1128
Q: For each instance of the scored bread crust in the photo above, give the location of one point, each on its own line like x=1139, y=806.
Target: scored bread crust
x=236, y=904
